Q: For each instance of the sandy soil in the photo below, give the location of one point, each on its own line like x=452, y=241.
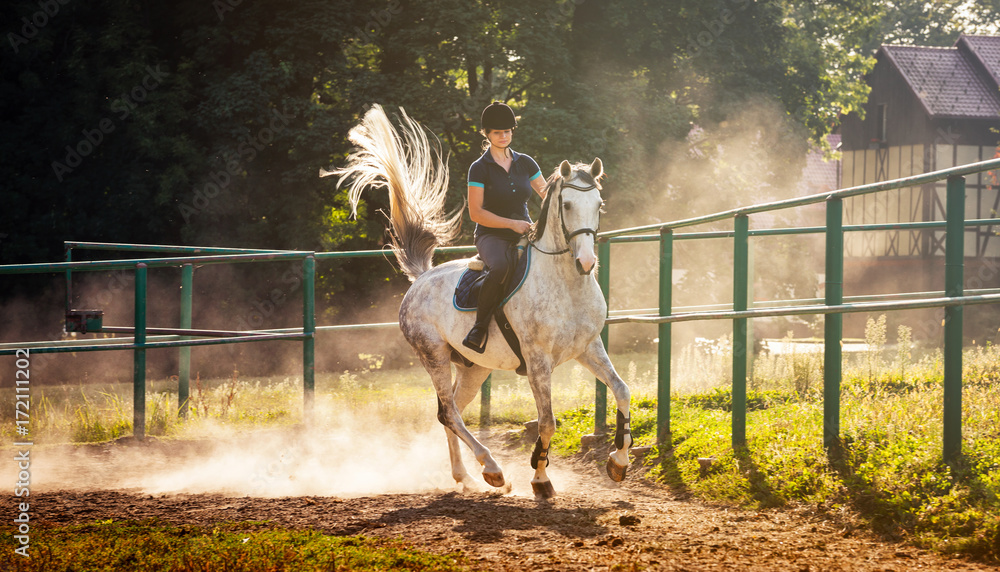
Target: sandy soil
x=592, y=524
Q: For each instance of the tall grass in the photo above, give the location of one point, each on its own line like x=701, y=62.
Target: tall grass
x=104, y=412
x=888, y=470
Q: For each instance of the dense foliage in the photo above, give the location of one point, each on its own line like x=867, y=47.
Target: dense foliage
x=207, y=122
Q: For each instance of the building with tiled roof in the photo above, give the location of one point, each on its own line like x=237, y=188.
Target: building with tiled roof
x=929, y=109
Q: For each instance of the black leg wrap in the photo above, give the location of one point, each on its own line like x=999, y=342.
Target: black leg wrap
x=621, y=431
x=539, y=454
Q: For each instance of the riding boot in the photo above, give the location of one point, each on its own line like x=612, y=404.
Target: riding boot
x=490, y=294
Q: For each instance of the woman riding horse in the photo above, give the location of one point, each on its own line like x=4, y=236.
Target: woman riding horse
x=500, y=183
x=559, y=310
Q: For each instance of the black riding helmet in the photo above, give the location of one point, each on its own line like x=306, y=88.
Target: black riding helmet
x=498, y=115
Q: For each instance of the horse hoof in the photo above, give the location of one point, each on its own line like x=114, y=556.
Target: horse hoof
x=494, y=479
x=543, y=489
x=616, y=471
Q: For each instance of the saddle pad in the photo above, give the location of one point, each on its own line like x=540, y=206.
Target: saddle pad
x=466, y=298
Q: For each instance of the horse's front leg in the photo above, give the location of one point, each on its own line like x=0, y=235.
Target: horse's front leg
x=596, y=359
x=540, y=379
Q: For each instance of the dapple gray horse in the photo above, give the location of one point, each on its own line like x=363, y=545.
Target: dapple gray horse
x=557, y=313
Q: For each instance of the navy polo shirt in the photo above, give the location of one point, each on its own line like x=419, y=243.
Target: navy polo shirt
x=504, y=193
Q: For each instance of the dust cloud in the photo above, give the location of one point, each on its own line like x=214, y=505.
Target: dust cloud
x=226, y=297
x=755, y=155
x=346, y=458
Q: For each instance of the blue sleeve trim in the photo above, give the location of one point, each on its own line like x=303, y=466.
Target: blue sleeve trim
x=475, y=184
x=535, y=176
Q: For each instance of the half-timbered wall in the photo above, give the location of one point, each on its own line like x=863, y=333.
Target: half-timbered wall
x=917, y=203
x=898, y=205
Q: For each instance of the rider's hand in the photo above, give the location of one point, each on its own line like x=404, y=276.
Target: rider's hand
x=521, y=226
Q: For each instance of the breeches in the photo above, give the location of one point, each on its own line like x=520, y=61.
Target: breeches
x=499, y=254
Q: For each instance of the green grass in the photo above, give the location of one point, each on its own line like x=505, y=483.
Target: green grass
x=889, y=471
x=101, y=413
x=155, y=545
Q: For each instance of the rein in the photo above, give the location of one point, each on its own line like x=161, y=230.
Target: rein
x=567, y=235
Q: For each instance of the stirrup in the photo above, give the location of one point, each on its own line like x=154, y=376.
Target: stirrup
x=470, y=343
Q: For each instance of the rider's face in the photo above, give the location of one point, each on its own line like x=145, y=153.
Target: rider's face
x=500, y=138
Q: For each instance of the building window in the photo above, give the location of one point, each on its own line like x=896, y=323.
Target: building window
x=880, y=123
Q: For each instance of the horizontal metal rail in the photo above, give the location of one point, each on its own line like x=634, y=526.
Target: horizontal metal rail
x=913, y=181
x=921, y=225
x=221, y=250
x=147, y=345
x=176, y=332
x=387, y=252
x=166, y=248
x=100, y=265
x=942, y=302
x=799, y=302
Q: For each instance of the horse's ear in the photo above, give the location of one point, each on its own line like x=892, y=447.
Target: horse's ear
x=565, y=169
x=596, y=168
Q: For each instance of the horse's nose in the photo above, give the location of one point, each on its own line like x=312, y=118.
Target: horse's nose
x=585, y=263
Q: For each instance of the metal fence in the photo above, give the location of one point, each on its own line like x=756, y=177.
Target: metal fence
x=832, y=306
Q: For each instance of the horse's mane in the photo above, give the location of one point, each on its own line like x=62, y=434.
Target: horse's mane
x=581, y=170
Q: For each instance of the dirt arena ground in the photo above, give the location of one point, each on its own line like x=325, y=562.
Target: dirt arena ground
x=592, y=523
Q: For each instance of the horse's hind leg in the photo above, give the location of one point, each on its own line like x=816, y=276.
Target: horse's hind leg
x=596, y=359
x=438, y=365
x=467, y=384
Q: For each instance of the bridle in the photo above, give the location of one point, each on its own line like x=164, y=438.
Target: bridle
x=567, y=235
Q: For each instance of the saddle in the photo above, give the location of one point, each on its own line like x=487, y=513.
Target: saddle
x=466, y=299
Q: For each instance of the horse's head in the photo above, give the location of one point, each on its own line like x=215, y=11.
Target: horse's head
x=572, y=212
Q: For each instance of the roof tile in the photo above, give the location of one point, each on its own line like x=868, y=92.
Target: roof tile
x=948, y=84
x=986, y=49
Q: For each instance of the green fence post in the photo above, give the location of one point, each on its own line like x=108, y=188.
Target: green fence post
x=309, y=342
x=184, y=366
x=833, y=324
x=601, y=390
x=139, y=356
x=663, y=350
x=69, y=280
x=750, y=336
x=741, y=273
x=484, y=401
x=953, y=278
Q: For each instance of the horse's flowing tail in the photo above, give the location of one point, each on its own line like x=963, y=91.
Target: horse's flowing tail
x=416, y=175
